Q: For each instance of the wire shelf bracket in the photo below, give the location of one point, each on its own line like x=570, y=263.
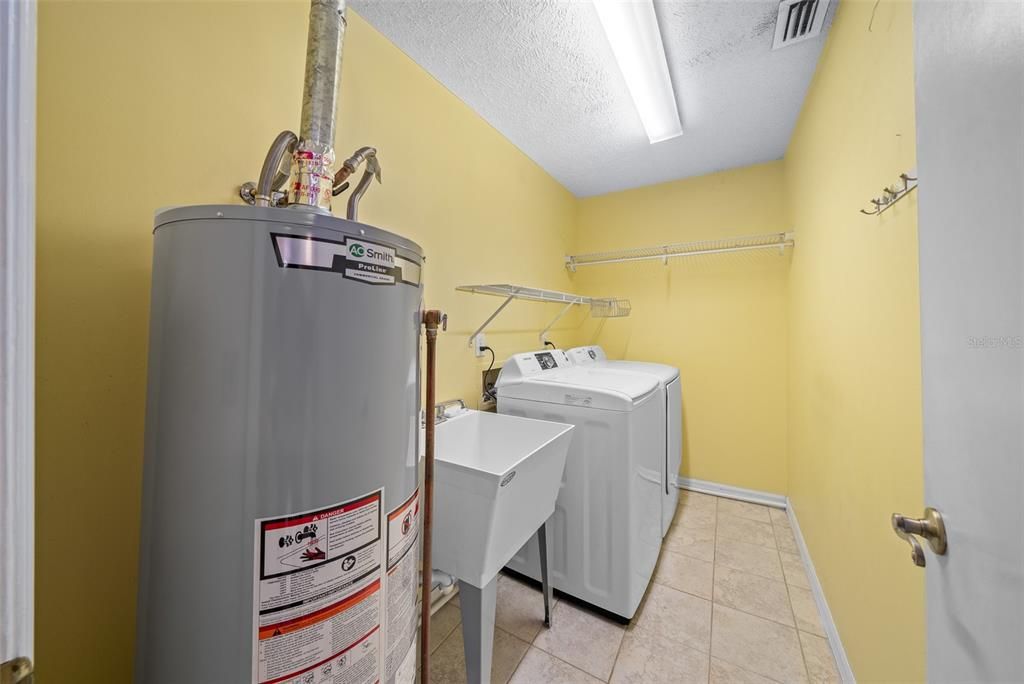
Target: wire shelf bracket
x=663, y=253
x=600, y=307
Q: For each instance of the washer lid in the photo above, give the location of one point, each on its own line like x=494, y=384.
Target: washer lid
x=595, y=357
x=665, y=374
x=585, y=387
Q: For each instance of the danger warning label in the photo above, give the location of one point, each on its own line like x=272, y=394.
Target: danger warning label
x=318, y=596
x=402, y=584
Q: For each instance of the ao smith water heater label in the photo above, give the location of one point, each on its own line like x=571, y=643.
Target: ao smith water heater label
x=355, y=259
x=318, y=597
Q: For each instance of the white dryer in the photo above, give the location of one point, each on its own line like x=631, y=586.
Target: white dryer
x=672, y=399
x=607, y=520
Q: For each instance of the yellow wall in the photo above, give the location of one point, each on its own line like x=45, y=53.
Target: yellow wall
x=143, y=105
x=720, y=319
x=854, y=339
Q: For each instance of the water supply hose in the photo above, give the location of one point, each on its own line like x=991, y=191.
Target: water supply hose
x=432, y=319
x=372, y=171
x=367, y=155
x=271, y=178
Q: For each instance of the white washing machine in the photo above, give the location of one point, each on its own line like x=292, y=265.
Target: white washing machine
x=672, y=400
x=607, y=520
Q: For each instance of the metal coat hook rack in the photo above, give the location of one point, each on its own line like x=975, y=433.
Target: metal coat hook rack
x=893, y=194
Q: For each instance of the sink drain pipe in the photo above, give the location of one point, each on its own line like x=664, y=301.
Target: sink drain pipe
x=432, y=319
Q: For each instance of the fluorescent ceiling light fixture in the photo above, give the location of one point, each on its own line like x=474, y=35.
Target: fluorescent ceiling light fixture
x=632, y=30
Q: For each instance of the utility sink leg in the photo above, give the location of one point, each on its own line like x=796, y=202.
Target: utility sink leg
x=478, y=606
x=544, y=541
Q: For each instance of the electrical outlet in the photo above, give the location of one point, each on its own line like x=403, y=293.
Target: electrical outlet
x=479, y=342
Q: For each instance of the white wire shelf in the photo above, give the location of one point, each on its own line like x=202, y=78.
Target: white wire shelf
x=600, y=307
x=779, y=241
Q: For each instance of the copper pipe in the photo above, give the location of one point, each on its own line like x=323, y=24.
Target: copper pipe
x=431, y=319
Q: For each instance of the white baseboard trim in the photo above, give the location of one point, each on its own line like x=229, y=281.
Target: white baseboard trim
x=730, y=492
x=783, y=502
x=838, y=652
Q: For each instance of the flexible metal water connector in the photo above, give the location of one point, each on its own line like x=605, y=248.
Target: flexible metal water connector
x=348, y=167
x=312, y=172
x=372, y=169
x=271, y=178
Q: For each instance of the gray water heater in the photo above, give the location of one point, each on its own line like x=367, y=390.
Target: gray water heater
x=281, y=518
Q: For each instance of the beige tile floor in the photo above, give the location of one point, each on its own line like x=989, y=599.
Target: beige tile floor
x=730, y=602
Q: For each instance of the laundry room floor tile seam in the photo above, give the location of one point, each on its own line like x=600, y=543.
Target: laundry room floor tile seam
x=732, y=509
x=618, y=653
x=782, y=530
x=789, y=592
x=714, y=571
x=560, y=660
x=817, y=668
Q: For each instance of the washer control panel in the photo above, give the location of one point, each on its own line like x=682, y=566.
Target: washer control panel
x=582, y=356
x=532, y=363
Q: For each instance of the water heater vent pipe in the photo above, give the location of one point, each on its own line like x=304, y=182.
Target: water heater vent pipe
x=312, y=171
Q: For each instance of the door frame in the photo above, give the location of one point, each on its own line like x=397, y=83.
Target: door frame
x=18, y=21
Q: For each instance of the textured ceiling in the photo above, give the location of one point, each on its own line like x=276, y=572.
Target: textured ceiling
x=541, y=72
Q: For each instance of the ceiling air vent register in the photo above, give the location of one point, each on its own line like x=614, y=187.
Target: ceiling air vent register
x=798, y=20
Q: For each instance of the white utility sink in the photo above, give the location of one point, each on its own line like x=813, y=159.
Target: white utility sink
x=495, y=484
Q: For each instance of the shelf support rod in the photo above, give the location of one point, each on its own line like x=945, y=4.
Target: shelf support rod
x=494, y=315
x=716, y=250
x=544, y=333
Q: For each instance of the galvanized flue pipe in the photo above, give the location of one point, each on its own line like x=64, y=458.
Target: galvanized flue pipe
x=312, y=175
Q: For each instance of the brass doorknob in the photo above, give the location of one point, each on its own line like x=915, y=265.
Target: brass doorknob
x=930, y=527
x=16, y=671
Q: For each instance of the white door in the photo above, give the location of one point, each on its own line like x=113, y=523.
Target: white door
x=17, y=367
x=969, y=63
